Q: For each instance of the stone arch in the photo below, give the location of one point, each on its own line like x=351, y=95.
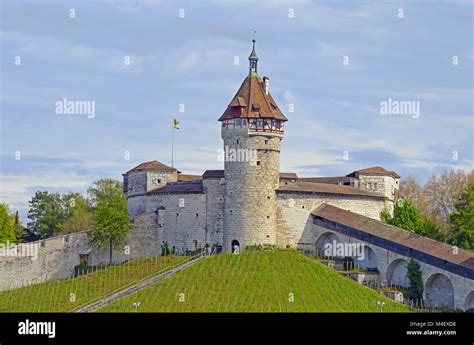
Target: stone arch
x=439, y=292
x=327, y=237
x=235, y=246
x=469, y=302
x=397, y=273
x=369, y=259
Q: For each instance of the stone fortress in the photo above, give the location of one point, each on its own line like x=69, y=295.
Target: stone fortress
x=250, y=202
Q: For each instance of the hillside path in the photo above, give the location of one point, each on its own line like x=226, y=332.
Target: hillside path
x=136, y=287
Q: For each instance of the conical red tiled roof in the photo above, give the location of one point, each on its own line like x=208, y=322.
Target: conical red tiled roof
x=251, y=101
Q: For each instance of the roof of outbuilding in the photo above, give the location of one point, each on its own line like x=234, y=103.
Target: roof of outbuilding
x=189, y=177
x=151, y=165
x=327, y=180
x=213, y=174
x=312, y=187
x=251, y=101
x=180, y=187
x=288, y=176
x=395, y=234
x=377, y=170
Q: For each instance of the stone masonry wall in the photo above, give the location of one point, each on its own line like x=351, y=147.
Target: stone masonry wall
x=215, y=210
x=384, y=259
x=250, y=198
x=294, y=209
x=159, y=178
x=55, y=258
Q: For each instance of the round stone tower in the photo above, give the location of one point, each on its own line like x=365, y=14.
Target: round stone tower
x=252, y=130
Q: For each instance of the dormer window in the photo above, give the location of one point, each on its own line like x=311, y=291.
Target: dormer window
x=255, y=108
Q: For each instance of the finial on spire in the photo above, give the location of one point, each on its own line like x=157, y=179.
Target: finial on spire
x=253, y=58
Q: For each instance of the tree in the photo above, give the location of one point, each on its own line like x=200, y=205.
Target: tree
x=20, y=231
x=104, y=189
x=79, y=214
x=405, y=215
x=111, y=215
x=462, y=220
x=436, y=199
x=7, y=226
x=47, y=213
x=408, y=217
x=415, y=291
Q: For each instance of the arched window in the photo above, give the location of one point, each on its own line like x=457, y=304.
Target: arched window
x=235, y=247
x=160, y=216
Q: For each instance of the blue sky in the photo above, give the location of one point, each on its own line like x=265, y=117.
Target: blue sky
x=190, y=61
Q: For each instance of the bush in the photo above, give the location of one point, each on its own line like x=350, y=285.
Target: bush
x=165, y=249
x=415, y=291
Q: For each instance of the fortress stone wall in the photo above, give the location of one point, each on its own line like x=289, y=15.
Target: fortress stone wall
x=294, y=211
x=249, y=202
x=442, y=288
x=250, y=198
x=55, y=258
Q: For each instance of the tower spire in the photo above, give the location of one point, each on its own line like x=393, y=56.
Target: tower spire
x=253, y=60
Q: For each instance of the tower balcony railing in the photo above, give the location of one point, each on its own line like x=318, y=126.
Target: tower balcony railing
x=255, y=125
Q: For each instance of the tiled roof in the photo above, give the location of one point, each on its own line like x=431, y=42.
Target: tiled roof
x=311, y=187
x=374, y=171
x=213, y=174
x=189, y=177
x=395, y=234
x=288, y=176
x=179, y=187
x=250, y=101
x=328, y=180
x=151, y=165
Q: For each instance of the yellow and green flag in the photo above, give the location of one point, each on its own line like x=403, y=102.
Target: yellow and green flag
x=175, y=124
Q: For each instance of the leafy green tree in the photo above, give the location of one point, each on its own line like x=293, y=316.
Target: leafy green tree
x=462, y=220
x=426, y=227
x=20, y=231
x=7, y=225
x=79, y=214
x=47, y=213
x=111, y=215
x=408, y=217
x=104, y=189
x=415, y=291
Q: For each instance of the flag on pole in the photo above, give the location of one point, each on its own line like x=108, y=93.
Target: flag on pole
x=175, y=124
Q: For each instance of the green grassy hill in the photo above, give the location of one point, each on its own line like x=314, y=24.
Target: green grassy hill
x=281, y=280
x=65, y=295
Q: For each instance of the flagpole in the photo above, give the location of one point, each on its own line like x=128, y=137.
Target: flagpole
x=172, y=144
